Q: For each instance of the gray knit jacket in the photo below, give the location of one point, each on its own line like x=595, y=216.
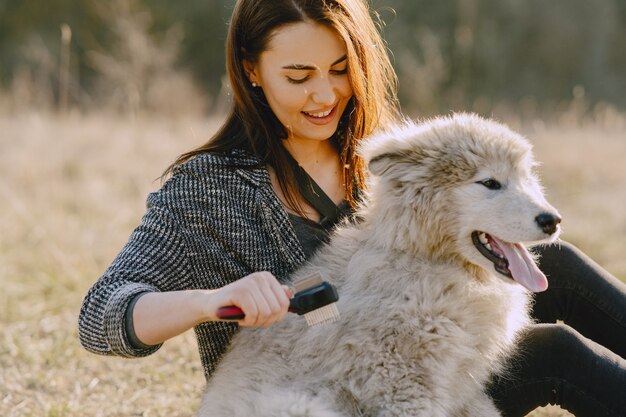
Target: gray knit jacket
x=215, y=220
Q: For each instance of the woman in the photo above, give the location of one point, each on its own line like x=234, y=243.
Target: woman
x=309, y=80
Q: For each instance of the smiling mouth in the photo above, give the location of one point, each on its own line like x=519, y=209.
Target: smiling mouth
x=322, y=117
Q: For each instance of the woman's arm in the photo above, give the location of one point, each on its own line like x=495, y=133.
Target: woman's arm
x=158, y=316
x=154, y=267
x=153, y=260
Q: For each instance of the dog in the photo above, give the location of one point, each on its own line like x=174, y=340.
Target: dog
x=434, y=283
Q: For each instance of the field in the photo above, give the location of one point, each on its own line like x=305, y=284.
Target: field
x=72, y=189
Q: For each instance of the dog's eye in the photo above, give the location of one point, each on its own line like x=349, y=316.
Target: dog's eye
x=491, y=184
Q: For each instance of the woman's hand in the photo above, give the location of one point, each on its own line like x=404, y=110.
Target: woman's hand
x=260, y=296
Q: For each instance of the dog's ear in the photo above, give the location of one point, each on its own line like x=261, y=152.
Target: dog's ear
x=379, y=164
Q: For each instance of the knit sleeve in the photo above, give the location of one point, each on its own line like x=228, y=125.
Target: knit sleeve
x=154, y=259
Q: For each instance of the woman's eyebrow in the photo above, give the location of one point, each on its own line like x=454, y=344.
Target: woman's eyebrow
x=310, y=68
x=343, y=58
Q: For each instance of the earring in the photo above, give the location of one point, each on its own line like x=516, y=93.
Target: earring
x=254, y=84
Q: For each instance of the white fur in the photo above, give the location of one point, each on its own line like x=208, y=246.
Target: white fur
x=424, y=317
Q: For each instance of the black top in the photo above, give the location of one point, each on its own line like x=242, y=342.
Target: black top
x=311, y=234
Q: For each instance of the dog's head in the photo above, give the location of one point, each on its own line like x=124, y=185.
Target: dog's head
x=462, y=187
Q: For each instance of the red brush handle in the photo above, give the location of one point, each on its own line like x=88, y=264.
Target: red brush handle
x=230, y=313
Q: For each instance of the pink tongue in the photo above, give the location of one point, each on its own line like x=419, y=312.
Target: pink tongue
x=522, y=266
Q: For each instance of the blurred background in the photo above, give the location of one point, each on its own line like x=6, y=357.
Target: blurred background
x=532, y=56
x=98, y=98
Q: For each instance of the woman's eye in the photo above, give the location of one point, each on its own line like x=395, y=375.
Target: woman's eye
x=491, y=184
x=297, y=80
x=340, y=71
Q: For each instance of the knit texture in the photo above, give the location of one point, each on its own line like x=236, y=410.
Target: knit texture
x=214, y=221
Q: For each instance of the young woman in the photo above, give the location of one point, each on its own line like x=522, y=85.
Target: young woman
x=310, y=78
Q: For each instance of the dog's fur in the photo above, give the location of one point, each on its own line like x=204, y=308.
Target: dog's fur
x=424, y=317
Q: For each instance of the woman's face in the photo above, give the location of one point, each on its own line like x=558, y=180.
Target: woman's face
x=303, y=74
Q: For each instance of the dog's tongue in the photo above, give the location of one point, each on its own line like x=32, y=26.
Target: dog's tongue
x=522, y=267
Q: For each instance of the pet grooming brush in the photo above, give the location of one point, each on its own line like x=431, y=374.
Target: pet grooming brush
x=314, y=298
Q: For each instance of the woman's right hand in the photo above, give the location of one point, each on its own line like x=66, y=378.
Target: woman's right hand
x=260, y=296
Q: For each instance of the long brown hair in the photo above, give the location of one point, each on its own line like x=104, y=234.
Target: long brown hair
x=252, y=125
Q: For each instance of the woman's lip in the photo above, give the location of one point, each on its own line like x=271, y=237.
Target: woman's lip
x=321, y=120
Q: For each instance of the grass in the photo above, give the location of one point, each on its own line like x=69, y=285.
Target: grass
x=72, y=190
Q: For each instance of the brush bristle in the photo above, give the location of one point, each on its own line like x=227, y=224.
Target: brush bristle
x=326, y=314
x=307, y=282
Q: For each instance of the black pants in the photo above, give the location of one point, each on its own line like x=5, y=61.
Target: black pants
x=580, y=364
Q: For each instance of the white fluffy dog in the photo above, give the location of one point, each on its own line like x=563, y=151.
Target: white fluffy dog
x=433, y=283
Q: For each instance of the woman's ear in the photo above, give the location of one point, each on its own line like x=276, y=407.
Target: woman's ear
x=251, y=73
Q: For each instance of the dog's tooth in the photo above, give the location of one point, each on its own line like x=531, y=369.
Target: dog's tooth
x=488, y=246
x=483, y=238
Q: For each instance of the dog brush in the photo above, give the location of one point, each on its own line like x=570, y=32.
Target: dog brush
x=314, y=298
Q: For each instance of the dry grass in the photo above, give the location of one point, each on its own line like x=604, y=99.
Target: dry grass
x=72, y=189
x=585, y=176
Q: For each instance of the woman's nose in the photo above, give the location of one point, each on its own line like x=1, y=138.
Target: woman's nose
x=324, y=92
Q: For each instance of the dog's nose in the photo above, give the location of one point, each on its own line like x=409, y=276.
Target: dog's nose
x=548, y=222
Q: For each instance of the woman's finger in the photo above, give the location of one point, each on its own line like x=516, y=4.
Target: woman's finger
x=267, y=291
